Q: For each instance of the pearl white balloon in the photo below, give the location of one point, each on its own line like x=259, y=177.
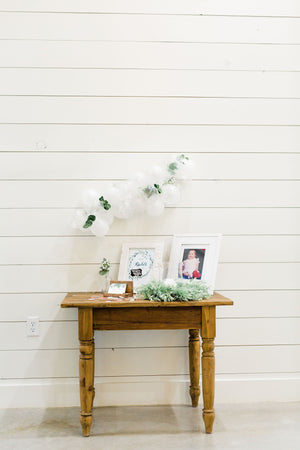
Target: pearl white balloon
x=90, y=199
x=112, y=195
x=155, y=206
x=170, y=194
x=99, y=228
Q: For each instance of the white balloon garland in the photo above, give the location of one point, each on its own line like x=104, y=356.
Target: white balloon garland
x=146, y=193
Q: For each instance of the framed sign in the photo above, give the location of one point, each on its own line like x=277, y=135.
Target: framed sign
x=195, y=257
x=141, y=263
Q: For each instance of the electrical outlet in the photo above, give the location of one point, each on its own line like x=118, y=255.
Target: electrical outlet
x=33, y=326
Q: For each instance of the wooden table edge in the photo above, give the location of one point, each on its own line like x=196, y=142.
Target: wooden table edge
x=86, y=300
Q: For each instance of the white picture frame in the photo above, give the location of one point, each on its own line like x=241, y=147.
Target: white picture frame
x=146, y=259
x=194, y=254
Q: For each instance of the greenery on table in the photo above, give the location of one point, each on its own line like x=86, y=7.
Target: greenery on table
x=104, y=267
x=174, y=291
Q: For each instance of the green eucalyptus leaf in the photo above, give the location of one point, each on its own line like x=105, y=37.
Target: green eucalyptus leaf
x=172, y=168
x=88, y=224
x=158, y=188
x=89, y=221
x=103, y=272
x=106, y=205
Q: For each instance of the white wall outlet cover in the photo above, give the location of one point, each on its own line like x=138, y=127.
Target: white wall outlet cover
x=33, y=326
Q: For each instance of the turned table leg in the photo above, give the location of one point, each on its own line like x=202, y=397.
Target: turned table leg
x=208, y=333
x=194, y=358
x=86, y=367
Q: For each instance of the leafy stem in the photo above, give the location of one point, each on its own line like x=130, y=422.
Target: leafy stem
x=89, y=221
x=106, y=205
x=151, y=190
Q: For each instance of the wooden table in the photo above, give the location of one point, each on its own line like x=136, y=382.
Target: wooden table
x=95, y=312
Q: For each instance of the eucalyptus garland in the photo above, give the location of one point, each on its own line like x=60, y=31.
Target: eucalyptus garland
x=174, y=291
x=147, y=192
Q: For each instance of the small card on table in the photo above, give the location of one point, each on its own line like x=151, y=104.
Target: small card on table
x=117, y=288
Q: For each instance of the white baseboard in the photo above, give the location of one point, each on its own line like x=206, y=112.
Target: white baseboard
x=152, y=390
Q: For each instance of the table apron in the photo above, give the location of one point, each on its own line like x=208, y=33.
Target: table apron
x=147, y=318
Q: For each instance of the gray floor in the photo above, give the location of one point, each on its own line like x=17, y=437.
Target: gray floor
x=263, y=426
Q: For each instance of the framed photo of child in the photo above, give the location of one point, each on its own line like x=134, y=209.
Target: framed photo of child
x=195, y=257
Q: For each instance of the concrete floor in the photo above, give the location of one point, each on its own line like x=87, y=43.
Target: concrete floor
x=265, y=426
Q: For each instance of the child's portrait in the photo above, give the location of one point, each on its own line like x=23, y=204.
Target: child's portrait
x=191, y=264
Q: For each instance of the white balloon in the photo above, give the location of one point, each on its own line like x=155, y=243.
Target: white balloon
x=129, y=188
x=79, y=219
x=142, y=179
x=112, y=195
x=139, y=178
x=155, y=206
x=139, y=203
x=124, y=209
x=170, y=194
x=99, y=227
x=158, y=175
x=105, y=215
x=90, y=199
x=108, y=217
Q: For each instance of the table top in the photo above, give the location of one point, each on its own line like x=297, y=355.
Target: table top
x=97, y=300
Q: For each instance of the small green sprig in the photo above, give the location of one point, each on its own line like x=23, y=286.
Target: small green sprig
x=173, y=166
x=176, y=291
x=89, y=221
x=104, y=267
x=158, y=188
x=152, y=190
x=106, y=205
x=182, y=158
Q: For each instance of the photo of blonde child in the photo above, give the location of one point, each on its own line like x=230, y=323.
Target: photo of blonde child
x=192, y=264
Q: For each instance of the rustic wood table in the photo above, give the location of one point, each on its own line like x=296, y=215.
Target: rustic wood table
x=96, y=312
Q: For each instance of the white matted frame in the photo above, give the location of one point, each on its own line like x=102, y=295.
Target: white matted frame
x=195, y=256
x=141, y=262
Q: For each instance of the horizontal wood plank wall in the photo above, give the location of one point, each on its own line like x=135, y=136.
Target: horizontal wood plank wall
x=90, y=88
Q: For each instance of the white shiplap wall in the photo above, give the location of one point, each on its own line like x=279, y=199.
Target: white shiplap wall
x=89, y=88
